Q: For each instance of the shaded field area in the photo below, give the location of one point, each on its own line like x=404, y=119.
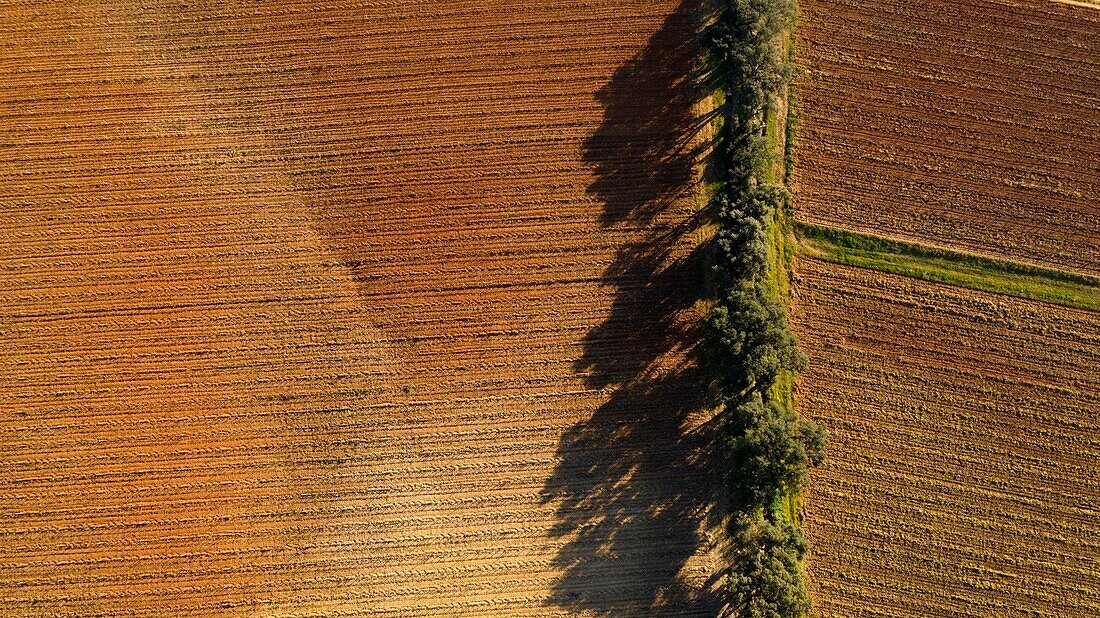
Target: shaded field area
x=967, y=124
x=964, y=447
x=367, y=308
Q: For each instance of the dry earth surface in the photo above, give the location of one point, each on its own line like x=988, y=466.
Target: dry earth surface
x=962, y=470
x=964, y=455
x=354, y=308
x=968, y=124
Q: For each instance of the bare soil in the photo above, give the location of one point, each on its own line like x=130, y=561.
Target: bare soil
x=357, y=308
x=965, y=124
x=964, y=449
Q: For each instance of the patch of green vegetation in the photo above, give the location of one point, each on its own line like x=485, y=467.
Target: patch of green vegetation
x=771, y=127
x=782, y=247
x=950, y=267
x=766, y=448
x=777, y=281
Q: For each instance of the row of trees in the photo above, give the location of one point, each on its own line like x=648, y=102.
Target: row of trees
x=767, y=447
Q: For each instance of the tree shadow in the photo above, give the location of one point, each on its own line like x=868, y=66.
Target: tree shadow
x=633, y=486
x=640, y=153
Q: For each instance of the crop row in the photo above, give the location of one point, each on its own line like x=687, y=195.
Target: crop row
x=962, y=124
x=963, y=448
x=348, y=309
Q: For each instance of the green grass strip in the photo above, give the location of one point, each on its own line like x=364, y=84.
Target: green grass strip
x=950, y=267
x=777, y=280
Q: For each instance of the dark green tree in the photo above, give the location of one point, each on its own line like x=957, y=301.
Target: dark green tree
x=770, y=451
x=767, y=582
x=750, y=341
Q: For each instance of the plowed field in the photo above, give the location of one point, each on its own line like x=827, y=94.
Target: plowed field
x=964, y=455
x=967, y=124
x=356, y=308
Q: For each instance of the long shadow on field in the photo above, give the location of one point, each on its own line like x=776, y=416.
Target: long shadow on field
x=632, y=486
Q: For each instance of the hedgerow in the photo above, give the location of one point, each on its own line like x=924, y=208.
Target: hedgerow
x=767, y=449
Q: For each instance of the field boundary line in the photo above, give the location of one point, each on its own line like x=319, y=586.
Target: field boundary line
x=949, y=267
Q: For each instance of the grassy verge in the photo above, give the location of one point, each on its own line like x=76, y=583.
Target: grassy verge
x=781, y=251
x=954, y=268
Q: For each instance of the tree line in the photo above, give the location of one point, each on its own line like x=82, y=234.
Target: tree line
x=766, y=448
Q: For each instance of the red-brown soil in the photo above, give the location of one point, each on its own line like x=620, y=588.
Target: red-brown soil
x=967, y=124
x=964, y=449
x=358, y=308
